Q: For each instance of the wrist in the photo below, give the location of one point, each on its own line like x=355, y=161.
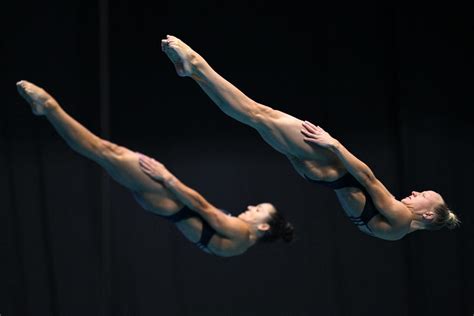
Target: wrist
x=335, y=146
x=169, y=180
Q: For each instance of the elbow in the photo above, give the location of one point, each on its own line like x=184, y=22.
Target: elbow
x=202, y=208
x=211, y=217
x=370, y=176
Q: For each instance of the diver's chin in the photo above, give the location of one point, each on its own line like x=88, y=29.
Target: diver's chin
x=405, y=200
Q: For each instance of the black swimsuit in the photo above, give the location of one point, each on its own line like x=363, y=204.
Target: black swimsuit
x=207, y=230
x=185, y=213
x=348, y=180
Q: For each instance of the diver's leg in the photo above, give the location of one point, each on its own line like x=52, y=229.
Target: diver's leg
x=280, y=130
x=226, y=96
x=120, y=162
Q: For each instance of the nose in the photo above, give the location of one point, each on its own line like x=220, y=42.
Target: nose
x=415, y=193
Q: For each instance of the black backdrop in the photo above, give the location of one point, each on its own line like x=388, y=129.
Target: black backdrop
x=392, y=83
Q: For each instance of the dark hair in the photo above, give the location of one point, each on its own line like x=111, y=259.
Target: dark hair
x=280, y=228
x=444, y=218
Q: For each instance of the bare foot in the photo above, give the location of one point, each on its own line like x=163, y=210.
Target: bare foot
x=180, y=54
x=39, y=100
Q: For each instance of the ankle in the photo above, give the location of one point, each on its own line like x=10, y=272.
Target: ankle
x=198, y=66
x=50, y=105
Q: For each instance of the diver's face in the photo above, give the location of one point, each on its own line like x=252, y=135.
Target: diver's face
x=423, y=201
x=258, y=214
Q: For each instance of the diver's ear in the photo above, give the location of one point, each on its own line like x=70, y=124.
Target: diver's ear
x=263, y=227
x=428, y=215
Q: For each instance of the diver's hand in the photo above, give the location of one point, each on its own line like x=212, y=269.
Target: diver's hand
x=316, y=135
x=154, y=169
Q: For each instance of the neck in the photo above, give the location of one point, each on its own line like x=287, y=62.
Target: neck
x=416, y=224
x=254, y=232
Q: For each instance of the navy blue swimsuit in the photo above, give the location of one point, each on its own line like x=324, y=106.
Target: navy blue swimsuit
x=348, y=180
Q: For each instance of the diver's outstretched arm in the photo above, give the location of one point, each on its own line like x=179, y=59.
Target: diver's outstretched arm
x=383, y=199
x=225, y=225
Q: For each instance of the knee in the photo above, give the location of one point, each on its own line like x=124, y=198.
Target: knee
x=157, y=204
x=108, y=150
x=262, y=113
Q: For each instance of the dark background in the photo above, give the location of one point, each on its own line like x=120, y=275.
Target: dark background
x=393, y=83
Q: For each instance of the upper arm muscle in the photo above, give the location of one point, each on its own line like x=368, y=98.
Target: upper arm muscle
x=385, y=202
x=225, y=225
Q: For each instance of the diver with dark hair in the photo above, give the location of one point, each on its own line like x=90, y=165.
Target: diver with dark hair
x=162, y=193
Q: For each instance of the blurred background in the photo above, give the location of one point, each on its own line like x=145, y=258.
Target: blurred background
x=392, y=83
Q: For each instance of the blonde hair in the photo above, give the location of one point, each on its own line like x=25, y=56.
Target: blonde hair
x=453, y=221
x=444, y=218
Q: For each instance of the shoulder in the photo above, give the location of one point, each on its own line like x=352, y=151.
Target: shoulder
x=227, y=246
x=398, y=215
x=392, y=230
x=401, y=211
x=232, y=227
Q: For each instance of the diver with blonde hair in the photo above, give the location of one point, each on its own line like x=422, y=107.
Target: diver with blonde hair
x=318, y=157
